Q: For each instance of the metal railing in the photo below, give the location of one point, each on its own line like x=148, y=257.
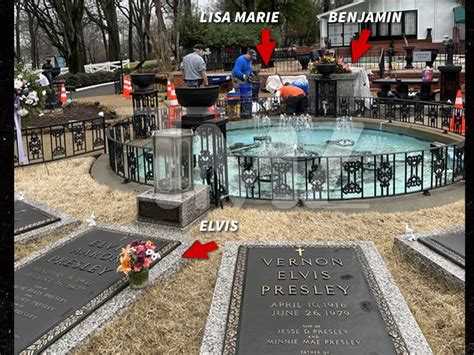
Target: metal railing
x=283, y=60
x=346, y=177
x=129, y=157
x=54, y=142
x=370, y=60
x=287, y=61
x=317, y=178
x=432, y=114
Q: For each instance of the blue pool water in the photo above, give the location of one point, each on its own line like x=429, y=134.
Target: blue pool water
x=325, y=139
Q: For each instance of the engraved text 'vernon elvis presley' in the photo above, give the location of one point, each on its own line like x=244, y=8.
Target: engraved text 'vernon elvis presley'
x=310, y=288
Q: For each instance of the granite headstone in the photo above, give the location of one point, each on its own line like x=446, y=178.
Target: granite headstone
x=59, y=289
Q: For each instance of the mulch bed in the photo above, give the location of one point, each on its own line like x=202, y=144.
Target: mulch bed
x=71, y=112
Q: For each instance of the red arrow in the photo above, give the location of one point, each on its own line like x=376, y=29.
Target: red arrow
x=199, y=251
x=359, y=47
x=265, y=49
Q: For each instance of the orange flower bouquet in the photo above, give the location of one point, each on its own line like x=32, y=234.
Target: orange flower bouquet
x=135, y=260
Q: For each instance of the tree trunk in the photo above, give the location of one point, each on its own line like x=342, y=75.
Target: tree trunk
x=110, y=15
x=17, y=29
x=161, y=44
x=130, y=34
x=187, y=7
x=73, y=34
x=33, y=41
x=104, y=40
x=76, y=57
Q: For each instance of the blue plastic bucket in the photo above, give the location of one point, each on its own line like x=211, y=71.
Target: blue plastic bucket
x=245, y=90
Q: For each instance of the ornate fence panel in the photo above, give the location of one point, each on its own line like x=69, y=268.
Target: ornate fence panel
x=54, y=142
x=345, y=178
x=211, y=160
x=315, y=178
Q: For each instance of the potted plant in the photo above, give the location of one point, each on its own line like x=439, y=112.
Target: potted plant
x=327, y=65
x=135, y=261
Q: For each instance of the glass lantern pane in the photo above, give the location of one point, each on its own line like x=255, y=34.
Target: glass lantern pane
x=186, y=164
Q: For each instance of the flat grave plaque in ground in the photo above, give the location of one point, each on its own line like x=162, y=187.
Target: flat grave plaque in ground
x=309, y=299
x=450, y=245
x=441, y=253
x=28, y=217
x=59, y=289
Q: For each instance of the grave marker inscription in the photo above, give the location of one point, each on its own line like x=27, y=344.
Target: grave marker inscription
x=56, y=291
x=308, y=300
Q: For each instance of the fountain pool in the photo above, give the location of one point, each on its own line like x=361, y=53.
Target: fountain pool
x=296, y=158
x=321, y=139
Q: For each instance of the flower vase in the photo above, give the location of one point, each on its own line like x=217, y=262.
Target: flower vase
x=138, y=279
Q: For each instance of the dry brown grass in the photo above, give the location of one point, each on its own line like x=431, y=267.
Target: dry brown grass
x=67, y=186
x=170, y=318
x=22, y=250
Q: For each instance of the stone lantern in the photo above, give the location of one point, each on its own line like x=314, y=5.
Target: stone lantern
x=174, y=200
x=173, y=151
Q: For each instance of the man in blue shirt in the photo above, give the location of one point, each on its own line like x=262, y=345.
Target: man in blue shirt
x=243, y=68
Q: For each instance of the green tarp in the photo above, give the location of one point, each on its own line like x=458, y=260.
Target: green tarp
x=459, y=14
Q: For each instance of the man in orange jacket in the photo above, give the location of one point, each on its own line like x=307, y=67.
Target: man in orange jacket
x=295, y=99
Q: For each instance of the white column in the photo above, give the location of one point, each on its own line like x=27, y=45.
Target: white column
x=323, y=27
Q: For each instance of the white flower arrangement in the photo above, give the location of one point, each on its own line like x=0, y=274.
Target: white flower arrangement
x=28, y=92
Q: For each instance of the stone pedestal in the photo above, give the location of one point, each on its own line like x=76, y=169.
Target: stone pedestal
x=345, y=87
x=450, y=82
x=177, y=210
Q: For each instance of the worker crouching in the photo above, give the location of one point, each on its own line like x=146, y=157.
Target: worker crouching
x=294, y=99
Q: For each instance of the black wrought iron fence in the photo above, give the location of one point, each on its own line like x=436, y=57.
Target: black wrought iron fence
x=54, y=142
x=129, y=154
x=317, y=178
x=283, y=60
x=371, y=59
x=425, y=113
x=433, y=114
x=286, y=60
x=345, y=177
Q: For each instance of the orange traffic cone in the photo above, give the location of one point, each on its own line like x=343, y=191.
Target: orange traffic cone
x=213, y=110
x=127, y=87
x=63, y=94
x=458, y=123
x=173, y=106
x=168, y=89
